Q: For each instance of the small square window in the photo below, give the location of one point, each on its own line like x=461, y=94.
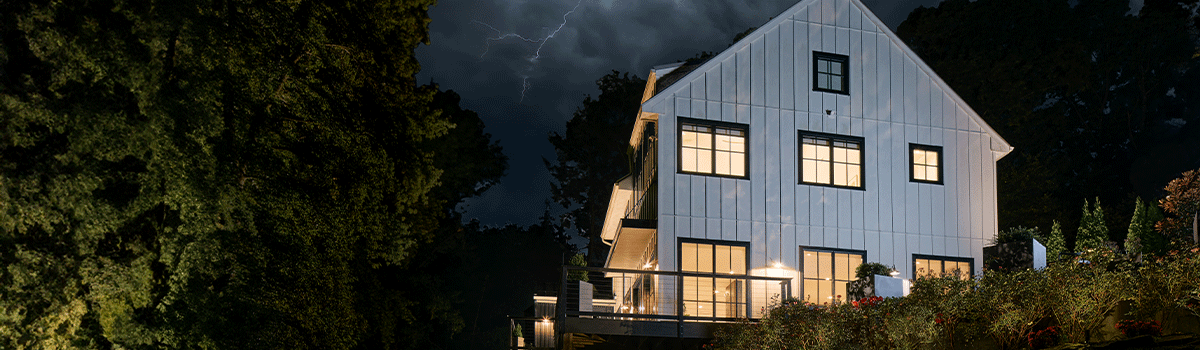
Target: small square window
x=831, y=73
x=925, y=163
x=712, y=148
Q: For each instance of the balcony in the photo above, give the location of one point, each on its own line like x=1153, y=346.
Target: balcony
x=647, y=304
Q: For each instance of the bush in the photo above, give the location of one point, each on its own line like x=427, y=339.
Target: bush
x=1044, y=338
x=871, y=268
x=1016, y=234
x=1132, y=328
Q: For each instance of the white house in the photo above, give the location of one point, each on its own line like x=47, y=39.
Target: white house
x=817, y=142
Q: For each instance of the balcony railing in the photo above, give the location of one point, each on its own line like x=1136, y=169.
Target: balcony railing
x=648, y=295
x=644, y=167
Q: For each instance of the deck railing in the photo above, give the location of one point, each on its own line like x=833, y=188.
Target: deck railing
x=660, y=295
x=644, y=167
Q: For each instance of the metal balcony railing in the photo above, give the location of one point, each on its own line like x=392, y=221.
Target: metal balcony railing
x=644, y=167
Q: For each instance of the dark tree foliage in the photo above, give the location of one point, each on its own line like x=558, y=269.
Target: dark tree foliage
x=1081, y=92
x=229, y=174
x=592, y=156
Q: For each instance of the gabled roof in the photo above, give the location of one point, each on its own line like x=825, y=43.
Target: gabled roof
x=668, y=87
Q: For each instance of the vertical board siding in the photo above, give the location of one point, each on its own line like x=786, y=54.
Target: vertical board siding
x=712, y=85
x=787, y=166
x=743, y=75
x=772, y=68
x=666, y=157
x=786, y=64
x=729, y=80
x=728, y=198
x=758, y=65
x=713, y=196
x=758, y=201
x=771, y=153
x=712, y=229
x=729, y=230
x=802, y=70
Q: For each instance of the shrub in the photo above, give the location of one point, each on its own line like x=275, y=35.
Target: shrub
x=1132, y=328
x=1016, y=234
x=871, y=268
x=1044, y=338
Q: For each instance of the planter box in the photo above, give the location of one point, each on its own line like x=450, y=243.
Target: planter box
x=1014, y=256
x=878, y=285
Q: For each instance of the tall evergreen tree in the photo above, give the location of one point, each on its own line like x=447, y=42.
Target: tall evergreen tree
x=1055, y=244
x=1142, y=238
x=1092, y=234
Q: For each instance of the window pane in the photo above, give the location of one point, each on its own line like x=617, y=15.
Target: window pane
x=737, y=144
x=810, y=171
x=839, y=288
x=704, y=258
x=737, y=260
x=840, y=176
x=737, y=163
x=722, y=163
x=839, y=154
x=918, y=172
x=854, y=156
x=842, y=267
x=705, y=288
x=688, y=159
x=689, y=256
x=835, y=67
x=931, y=174
x=822, y=152
x=855, y=175
x=823, y=66
x=936, y=267
x=808, y=151
x=722, y=259
x=810, y=291
x=822, y=172
x=826, y=288
x=824, y=265
x=810, y=265
x=918, y=156
x=855, y=260
x=704, y=161
x=689, y=139
x=704, y=141
x=835, y=84
x=932, y=158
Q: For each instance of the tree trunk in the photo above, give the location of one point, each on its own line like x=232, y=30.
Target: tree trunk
x=1196, y=228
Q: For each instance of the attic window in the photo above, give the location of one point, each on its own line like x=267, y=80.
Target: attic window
x=926, y=163
x=831, y=73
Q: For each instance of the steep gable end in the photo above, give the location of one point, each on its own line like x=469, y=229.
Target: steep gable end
x=772, y=67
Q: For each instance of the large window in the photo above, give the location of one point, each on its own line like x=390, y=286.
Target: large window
x=926, y=163
x=831, y=73
x=714, y=296
x=826, y=273
x=712, y=148
x=934, y=266
x=831, y=160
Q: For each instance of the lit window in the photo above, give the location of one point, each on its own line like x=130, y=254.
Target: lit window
x=711, y=148
x=827, y=272
x=926, y=163
x=831, y=160
x=714, y=296
x=831, y=73
x=934, y=266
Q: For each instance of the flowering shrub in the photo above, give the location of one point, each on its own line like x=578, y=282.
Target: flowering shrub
x=1132, y=328
x=1044, y=338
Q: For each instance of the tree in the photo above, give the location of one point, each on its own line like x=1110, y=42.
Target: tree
x=1055, y=244
x=1183, y=203
x=1092, y=232
x=230, y=174
x=591, y=156
x=1142, y=238
x=1075, y=87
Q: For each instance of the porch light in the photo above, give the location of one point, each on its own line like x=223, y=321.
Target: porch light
x=648, y=265
x=894, y=273
x=545, y=320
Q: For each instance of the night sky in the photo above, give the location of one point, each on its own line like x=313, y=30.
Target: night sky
x=599, y=36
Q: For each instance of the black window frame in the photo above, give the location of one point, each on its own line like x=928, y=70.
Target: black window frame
x=862, y=167
x=800, y=264
x=941, y=173
x=969, y=260
x=845, y=60
x=715, y=274
x=681, y=120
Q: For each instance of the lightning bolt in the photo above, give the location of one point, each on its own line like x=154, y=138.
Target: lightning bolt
x=536, y=54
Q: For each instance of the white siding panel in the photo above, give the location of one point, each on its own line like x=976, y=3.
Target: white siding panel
x=802, y=15
x=939, y=246
x=829, y=113
x=666, y=165
x=683, y=194
x=787, y=95
x=758, y=66
x=899, y=180
x=802, y=72
x=845, y=208
x=713, y=229
x=829, y=39
x=977, y=197
x=936, y=110
x=728, y=198
x=771, y=152
x=729, y=230
x=772, y=67
x=802, y=236
x=715, y=111
x=872, y=246
x=729, y=80
x=757, y=171
x=910, y=91
x=683, y=227
x=814, y=44
x=683, y=106
x=855, y=15
x=832, y=241
x=870, y=79
x=774, y=243
x=743, y=75
x=963, y=150
x=938, y=192
x=698, y=228
x=803, y=209
x=743, y=200
x=816, y=206
x=666, y=243
x=926, y=245
x=884, y=77
x=883, y=160
x=698, y=88
x=887, y=248
x=856, y=75
x=988, y=187
x=951, y=246
x=964, y=249
x=843, y=120
x=923, y=107
x=712, y=197
x=743, y=231
x=699, y=108
x=712, y=84
x=698, y=196
x=787, y=246
x=952, y=186
x=842, y=9
x=916, y=209
x=858, y=210
x=743, y=114
x=896, y=103
x=787, y=166
x=949, y=111
x=871, y=180
x=758, y=244
x=827, y=12
x=729, y=112
x=867, y=24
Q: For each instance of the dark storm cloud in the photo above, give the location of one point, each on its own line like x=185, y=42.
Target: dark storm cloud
x=599, y=36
